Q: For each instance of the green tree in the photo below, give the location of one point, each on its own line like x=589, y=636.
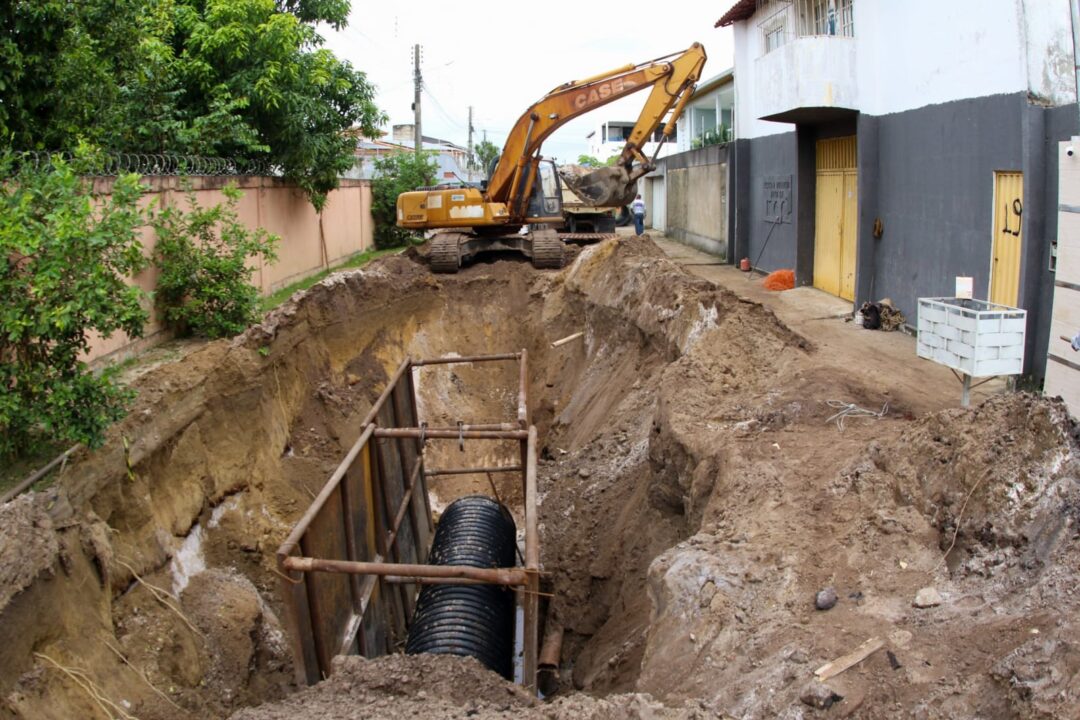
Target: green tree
x=486, y=152
x=204, y=256
x=590, y=161
x=238, y=78
x=394, y=174
x=64, y=255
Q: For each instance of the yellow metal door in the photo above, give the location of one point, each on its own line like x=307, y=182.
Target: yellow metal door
x=827, y=231
x=836, y=217
x=849, y=226
x=1005, y=251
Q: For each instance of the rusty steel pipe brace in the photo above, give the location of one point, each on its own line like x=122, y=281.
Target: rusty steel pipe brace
x=467, y=359
x=493, y=576
x=432, y=434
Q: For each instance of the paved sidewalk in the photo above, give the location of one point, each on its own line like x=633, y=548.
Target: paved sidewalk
x=886, y=358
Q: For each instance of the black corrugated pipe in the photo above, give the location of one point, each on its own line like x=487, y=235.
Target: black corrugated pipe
x=474, y=620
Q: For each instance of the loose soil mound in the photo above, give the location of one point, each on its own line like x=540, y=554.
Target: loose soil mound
x=694, y=501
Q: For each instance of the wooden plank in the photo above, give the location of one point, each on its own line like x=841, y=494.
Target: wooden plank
x=348, y=515
x=352, y=640
x=409, y=450
x=328, y=489
x=395, y=610
x=298, y=624
x=531, y=599
x=401, y=545
x=332, y=599
x=425, y=533
x=856, y=656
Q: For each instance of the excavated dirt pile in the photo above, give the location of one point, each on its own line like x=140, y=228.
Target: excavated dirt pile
x=695, y=498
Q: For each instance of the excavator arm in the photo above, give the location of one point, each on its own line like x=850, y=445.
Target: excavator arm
x=672, y=79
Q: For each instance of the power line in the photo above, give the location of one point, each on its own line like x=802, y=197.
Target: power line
x=442, y=110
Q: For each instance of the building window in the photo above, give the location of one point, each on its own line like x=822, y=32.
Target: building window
x=774, y=28
x=826, y=17
x=774, y=38
x=785, y=19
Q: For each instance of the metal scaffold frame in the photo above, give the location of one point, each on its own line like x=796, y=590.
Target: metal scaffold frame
x=352, y=566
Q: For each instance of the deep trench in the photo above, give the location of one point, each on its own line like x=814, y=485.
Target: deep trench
x=609, y=498
x=694, y=498
x=232, y=443
x=228, y=447
x=575, y=392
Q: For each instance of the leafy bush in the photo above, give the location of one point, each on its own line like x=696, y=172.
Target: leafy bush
x=394, y=174
x=719, y=136
x=64, y=255
x=203, y=254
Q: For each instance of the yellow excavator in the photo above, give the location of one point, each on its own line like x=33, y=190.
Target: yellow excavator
x=516, y=207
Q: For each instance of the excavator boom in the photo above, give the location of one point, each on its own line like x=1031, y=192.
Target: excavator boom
x=672, y=79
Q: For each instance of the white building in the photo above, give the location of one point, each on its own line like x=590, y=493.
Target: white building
x=452, y=159
x=610, y=137
x=709, y=117
x=885, y=147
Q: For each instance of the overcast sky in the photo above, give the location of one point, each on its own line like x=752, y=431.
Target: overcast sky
x=502, y=57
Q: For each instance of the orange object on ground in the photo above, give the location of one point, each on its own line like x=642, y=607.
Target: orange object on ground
x=779, y=280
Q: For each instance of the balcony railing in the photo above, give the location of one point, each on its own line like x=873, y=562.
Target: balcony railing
x=786, y=20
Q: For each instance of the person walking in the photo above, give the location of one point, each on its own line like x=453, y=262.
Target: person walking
x=638, y=209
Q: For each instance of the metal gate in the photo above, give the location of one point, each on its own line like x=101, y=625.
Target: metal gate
x=658, y=208
x=1007, y=237
x=836, y=217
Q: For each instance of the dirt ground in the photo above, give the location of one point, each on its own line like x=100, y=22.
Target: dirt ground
x=695, y=498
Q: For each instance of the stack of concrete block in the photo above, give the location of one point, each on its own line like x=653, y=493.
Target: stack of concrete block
x=975, y=337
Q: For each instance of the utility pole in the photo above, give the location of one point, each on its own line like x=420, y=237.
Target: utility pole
x=470, y=156
x=418, y=81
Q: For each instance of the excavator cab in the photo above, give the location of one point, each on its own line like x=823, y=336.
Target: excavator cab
x=545, y=204
x=535, y=238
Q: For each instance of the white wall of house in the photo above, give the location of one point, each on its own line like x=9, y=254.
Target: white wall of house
x=904, y=55
x=749, y=47
x=602, y=147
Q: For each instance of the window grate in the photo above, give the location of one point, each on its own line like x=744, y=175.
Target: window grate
x=836, y=154
x=834, y=18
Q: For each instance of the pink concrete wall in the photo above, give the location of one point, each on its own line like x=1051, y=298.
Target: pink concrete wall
x=307, y=245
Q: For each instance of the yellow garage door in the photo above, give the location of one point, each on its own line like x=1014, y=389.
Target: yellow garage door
x=836, y=217
x=1005, y=251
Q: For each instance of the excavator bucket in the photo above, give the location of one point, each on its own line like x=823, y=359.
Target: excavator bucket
x=606, y=187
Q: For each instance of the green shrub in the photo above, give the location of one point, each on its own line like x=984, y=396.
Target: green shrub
x=719, y=136
x=394, y=174
x=64, y=255
x=203, y=256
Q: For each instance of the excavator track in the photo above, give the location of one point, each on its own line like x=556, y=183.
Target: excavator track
x=445, y=254
x=547, y=249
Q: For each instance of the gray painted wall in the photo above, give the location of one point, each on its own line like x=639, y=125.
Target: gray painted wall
x=769, y=158
x=928, y=174
x=696, y=190
x=934, y=192
x=935, y=196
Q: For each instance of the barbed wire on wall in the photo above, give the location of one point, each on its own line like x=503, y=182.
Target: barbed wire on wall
x=119, y=163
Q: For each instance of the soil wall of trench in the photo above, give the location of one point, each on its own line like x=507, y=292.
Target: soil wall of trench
x=693, y=500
